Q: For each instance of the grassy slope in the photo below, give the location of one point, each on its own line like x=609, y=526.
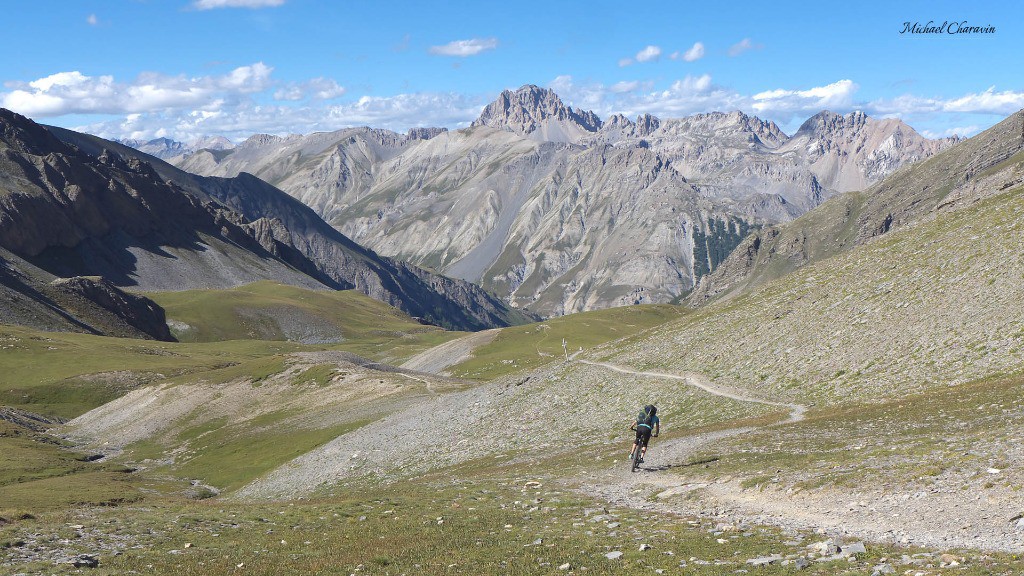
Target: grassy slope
x=521, y=348
x=963, y=429
x=271, y=311
x=936, y=303
x=66, y=374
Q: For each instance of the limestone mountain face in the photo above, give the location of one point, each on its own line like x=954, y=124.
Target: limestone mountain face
x=538, y=114
x=557, y=211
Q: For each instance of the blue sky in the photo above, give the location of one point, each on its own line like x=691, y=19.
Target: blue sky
x=189, y=68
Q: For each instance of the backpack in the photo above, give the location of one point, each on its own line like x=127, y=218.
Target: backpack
x=645, y=417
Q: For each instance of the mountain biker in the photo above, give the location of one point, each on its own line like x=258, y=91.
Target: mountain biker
x=647, y=421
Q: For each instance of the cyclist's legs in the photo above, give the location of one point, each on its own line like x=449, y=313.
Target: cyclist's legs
x=638, y=442
x=645, y=439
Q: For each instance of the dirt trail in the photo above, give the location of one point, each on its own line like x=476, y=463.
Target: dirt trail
x=929, y=518
x=443, y=356
x=797, y=411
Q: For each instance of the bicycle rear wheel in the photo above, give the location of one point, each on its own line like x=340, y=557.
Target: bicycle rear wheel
x=636, y=456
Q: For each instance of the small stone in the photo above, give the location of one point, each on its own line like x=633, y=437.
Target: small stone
x=801, y=563
x=613, y=555
x=188, y=544
x=84, y=561
x=566, y=566
x=766, y=560
x=645, y=547
x=851, y=549
x=826, y=548
x=883, y=570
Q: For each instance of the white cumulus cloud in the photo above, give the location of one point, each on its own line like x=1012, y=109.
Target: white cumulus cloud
x=75, y=93
x=92, y=20
x=649, y=53
x=464, y=48
x=696, y=52
x=835, y=96
x=237, y=122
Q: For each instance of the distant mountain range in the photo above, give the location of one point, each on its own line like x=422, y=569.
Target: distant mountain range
x=74, y=205
x=165, y=148
x=556, y=210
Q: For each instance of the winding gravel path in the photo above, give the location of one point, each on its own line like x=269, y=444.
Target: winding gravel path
x=943, y=520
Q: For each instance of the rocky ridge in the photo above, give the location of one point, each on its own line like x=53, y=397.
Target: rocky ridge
x=534, y=179
x=972, y=170
x=82, y=206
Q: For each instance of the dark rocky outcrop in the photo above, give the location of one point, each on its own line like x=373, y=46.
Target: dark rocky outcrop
x=137, y=311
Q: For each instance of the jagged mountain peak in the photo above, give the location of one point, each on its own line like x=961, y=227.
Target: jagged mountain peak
x=532, y=109
x=827, y=122
x=213, y=143
x=258, y=140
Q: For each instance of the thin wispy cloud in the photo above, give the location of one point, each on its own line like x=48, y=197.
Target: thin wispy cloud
x=214, y=4
x=92, y=20
x=742, y=46
x=621, y=87
x=958, y=131
x=315, y=89
x=465, y=48
x=696, y=52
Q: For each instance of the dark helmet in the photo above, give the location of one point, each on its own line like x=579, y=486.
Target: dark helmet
x=651, y=409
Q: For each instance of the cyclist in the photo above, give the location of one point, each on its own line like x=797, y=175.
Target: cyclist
x=646, y=422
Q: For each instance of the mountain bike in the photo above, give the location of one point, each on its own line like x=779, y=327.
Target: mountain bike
x=638, y=455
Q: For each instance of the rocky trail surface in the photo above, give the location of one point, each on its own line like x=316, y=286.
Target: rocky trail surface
x=942, y=516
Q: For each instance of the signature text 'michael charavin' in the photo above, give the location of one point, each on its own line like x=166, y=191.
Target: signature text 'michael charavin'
x=947, y=27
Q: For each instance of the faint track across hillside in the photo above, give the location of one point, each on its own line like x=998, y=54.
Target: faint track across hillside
x=797, y=411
